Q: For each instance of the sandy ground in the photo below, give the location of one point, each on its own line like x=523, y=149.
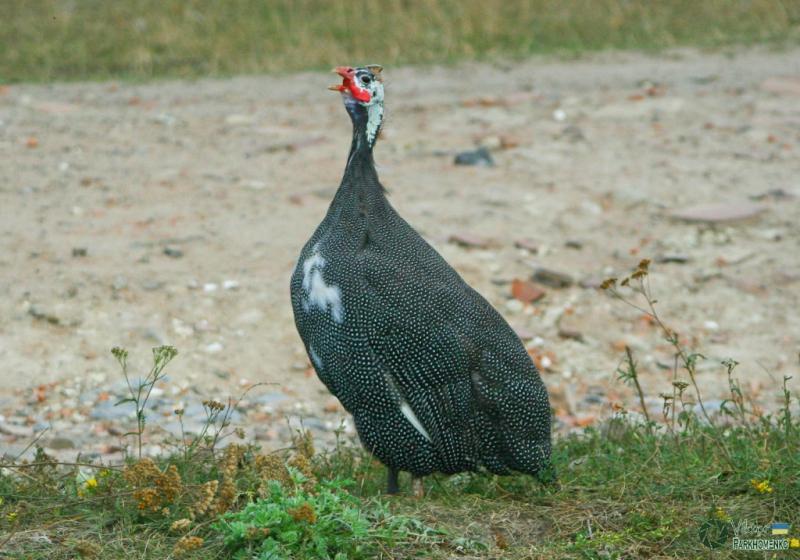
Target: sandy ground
x=173, y=212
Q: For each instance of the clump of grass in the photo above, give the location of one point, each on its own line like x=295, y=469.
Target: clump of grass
x=45, y=40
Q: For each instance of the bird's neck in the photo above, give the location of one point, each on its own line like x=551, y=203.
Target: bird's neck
x=367, y=123
x=360, y=181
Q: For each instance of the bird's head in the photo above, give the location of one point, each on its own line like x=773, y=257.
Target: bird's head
x=362, y=85
x=362, y=93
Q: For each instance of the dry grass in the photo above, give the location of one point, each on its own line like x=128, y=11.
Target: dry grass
x=43, y=40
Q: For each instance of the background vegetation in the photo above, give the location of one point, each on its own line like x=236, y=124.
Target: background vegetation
x=44, y=40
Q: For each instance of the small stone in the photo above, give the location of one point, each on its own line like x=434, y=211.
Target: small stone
x=526, y=291
x=59, y=443
x=527, y=244
x=672, y=258
x=716, y=213
x=214, y=348
x=120, y=283
x=573, y=133
x=42, y=315
x=151, y=285
x=250, y=317
x=570, y=334
x=552, y=278
x=173, y=252
x=333, y=406
x=469, y=240
x=236, y=119
x=79, y=252
x=255, y=185
x=574, y=244
x=524, y=333
x=230, y=285
x=491, y=142
x=210, y=287
x=559, y=115
x=480, y=157
x=16, y=430
x=106, y=410
x=782, y=85
x=773, y=194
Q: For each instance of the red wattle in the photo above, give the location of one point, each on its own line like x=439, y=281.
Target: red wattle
x=358, y=93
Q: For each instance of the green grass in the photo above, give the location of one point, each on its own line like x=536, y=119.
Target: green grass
x=635, y=494
x=44, y=40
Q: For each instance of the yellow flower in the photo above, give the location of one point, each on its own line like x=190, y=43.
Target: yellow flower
x=762, y=487
x=722, y=515
x=90, y=484
x=11, y=516
x=794, y=543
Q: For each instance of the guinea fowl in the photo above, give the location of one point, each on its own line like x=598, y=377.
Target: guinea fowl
x=434, y=377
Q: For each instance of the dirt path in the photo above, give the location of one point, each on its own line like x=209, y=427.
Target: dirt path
x=137, y=215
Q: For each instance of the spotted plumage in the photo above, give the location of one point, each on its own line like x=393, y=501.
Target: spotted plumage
x=434, y=377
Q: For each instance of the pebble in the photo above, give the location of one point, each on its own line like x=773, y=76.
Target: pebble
x=173, y=252
x=42, y=315
x=782, y=85
x=120, y=283
x=573, y=133
x=571, y=334
x=718, y=213
x=672, y=258
x=552, y=278
x=250, y=317
x=16, y=430
x=480, y=157
x=59, y=443
x=469, y=240
x=105, y=410
x=527, y=244
x=270, y=398
x=79, y=252
x=526, y=291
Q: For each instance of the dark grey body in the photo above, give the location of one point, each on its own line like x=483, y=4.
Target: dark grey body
x=407, y=330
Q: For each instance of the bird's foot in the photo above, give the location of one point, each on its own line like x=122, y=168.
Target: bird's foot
x=417, y=487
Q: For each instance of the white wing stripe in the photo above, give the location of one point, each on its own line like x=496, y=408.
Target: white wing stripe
x=411, y=417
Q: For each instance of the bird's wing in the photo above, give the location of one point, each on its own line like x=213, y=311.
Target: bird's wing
x=428, y=342
x=458, y=365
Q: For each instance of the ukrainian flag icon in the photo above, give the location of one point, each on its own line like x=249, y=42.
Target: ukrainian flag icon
x=780, y=528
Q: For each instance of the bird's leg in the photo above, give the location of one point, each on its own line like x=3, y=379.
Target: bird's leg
x=392, y=487
x=417, y=487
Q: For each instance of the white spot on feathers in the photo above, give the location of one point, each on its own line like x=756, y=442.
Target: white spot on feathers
x=320, y=294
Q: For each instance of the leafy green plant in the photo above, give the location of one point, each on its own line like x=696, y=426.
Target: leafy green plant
x=325, y=521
